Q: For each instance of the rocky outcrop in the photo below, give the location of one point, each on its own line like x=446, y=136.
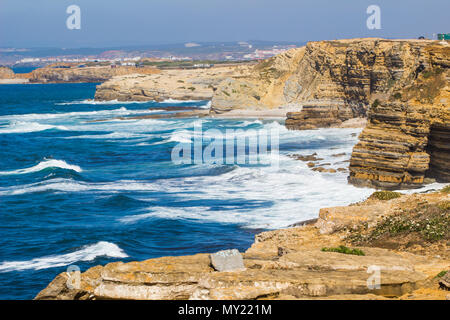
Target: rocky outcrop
x=282, y=264
x=72, y=74
x=6, y=73
x=84, y=74
x=267, y=85
x=407, y=137
x=179, y=84
x=329, y=82
x=7, y=76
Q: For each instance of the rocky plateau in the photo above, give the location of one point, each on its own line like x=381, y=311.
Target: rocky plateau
x=293, y=263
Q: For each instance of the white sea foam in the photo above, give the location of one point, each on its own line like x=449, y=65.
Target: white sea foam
x=249, y=123
x=276, y=197
x=259, y=197
x=180, y=101
x=426, y=188
x=69, y=185
x=50, y=163
x=206, y=106
x=26, y=127
x=47, y=116
x=182, y=136
x=96, y=102
x=86, y=253
x=112, y=136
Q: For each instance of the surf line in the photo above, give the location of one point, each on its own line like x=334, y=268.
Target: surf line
x=251, y=147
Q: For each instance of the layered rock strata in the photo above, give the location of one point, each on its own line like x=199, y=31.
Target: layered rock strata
x=329, y=81
x=407, y=137
x=177, y=84
x=54, y=74
x=84, y=74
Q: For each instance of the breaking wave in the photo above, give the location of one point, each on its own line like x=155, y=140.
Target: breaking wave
x=26, y=127
x=86, y=253
x=50, y=163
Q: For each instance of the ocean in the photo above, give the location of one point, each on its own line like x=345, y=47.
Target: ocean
x=78, y=191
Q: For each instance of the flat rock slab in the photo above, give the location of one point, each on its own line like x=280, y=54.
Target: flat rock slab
x=227, y=260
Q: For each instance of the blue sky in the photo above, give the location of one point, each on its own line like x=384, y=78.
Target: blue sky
x=33, y=23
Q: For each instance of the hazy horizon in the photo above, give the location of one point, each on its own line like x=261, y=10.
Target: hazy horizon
x=42, y=23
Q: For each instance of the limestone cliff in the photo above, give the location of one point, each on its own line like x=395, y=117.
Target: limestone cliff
x=84, y=74
x=58, y=74
x=6, y=73
x=407, y=137
x=328, y=81
x=178, y=84
x=266, y=85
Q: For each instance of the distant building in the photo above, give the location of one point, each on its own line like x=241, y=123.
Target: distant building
x=203, y=65
x=443, y=36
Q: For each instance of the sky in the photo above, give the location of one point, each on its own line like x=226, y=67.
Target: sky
x=106, y=23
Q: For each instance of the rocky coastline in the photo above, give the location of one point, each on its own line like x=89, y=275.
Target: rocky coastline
x=73, y=74
x=400, y=86
x=398, y=90
x=175, y=84
x=331, y=257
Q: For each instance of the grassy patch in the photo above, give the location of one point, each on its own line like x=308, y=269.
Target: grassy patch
x=397, y=96
x=344, y=250
x=441, y=274
x=427, y=87
x=426, y=223
x=376, y=103
x=444, y=205
x=385, y=195
x=446, y=189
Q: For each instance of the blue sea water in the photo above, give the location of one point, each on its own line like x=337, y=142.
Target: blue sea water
x=23, y=69
x=78, y=191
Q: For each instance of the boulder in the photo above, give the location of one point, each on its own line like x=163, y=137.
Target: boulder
x=227, y=260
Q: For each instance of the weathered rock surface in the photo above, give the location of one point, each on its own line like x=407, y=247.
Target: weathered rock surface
x=179, y=84
x=281, y=264
x=84, y=74
x=53, y=74
x=444, y=282
x=407, y=137
x=6, y=73
x=330, y=82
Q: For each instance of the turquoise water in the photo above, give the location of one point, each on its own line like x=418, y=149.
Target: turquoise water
x=77, y=191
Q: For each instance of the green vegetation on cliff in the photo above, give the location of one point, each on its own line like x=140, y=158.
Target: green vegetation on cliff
x=344, y=250
x=385, y=195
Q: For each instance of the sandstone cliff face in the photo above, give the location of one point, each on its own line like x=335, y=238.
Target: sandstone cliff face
x=281, y=264
x=6, y=73
x=407, y=137
x=86, y=74
x=266, y=85
x=194, y=84
x=329, y=81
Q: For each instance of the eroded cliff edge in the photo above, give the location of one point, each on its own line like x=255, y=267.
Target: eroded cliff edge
x=71, y=74
x=329, y=81
x=177, y=84
x=401, y=86
x=407, y=138
x=406, y=237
